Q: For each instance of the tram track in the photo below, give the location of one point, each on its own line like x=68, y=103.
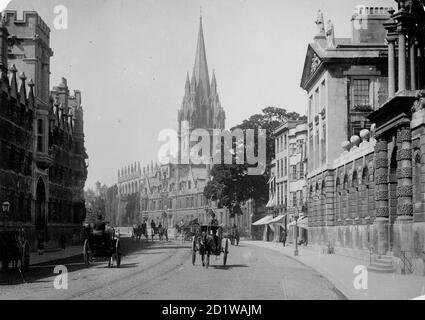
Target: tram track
x=131, y=276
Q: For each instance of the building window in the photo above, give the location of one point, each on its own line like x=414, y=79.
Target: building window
x=316, y=101
x=282, y=195
x=301, y=170
x=323, y=95
x=310, y=108
x=324, y=145
x=40, y=137
x=293, y=173
x=285, y=166
x=278, y=194
x=294, y=199
x=278, y=169
x=361, y=93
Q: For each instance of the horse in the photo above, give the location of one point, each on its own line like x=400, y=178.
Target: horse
x=207, y=244
x=162, y=232
x=145, y=232
x=137, y=233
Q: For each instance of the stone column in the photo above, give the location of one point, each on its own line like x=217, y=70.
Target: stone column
x=391, y=68
x=380, y=225
x=403, y=225
x=401, y=62
x=412, y=59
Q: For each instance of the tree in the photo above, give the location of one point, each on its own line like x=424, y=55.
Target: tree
x=231, y=185
x=132, y=206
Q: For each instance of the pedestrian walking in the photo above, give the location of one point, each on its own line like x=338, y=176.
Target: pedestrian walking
x=283, y=237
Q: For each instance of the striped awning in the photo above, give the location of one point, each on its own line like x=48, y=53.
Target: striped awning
x=278, y=219
x=263, y=221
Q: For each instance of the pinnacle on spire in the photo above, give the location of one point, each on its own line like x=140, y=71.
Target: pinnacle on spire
x=214, y=83
x=201, y=66
x=187, y=85
x=187, y=81
x=193, y=82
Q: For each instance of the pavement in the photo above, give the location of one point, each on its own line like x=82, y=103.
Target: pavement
x=55, y=254
x=340, y=271
x=164, y=271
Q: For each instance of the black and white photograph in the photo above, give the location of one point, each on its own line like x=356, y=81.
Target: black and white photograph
x=211, y=155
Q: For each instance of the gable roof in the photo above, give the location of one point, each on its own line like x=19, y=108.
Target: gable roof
x=318, y=55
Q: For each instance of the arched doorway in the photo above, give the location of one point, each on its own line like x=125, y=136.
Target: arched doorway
x=40, y=206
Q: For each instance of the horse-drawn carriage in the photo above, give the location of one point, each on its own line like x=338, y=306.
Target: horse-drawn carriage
x=14, y=248
x=210, y=240
x=189, y=230
x=102, y=244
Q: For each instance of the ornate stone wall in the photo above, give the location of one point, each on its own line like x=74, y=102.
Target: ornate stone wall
x=339, y=198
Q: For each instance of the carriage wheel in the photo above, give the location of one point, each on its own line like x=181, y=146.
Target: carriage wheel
x=118, y=254
x=193, y=251
x=25, y=263
x=86, y=253
x=226, y=250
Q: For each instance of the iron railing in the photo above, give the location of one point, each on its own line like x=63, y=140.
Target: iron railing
x=407, y=263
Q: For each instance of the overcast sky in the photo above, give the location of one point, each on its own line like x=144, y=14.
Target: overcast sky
x=130, y=57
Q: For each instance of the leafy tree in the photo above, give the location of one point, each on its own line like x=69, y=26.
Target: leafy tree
x=231, y=185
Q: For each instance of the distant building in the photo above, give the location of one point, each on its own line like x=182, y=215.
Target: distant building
x=42, y=154
x=287, y=186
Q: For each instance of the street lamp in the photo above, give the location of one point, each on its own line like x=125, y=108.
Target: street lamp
x=5, y=210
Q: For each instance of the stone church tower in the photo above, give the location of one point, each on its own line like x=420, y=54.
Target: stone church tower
x=201, y=106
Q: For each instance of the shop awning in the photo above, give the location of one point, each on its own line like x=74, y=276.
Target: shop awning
x=303, y=223
x=278, y=219
x=263, y=221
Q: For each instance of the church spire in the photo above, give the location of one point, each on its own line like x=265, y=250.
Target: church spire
x=201, y=66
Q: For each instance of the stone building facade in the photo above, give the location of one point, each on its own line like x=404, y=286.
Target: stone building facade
x=346, y=80
x=370, y=199
x=43, y=158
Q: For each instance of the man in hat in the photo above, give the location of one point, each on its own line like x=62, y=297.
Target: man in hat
x=214, y=221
